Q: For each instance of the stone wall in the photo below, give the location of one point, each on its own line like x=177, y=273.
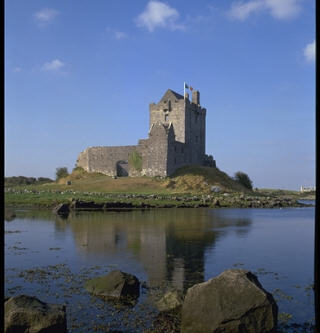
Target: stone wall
x=105, y=159
x=154, y=150
x=195, y=132
x=170, y=109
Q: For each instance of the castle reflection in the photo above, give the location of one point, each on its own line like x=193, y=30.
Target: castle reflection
x=170, y=244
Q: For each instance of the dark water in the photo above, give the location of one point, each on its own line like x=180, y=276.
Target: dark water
x=51, y=257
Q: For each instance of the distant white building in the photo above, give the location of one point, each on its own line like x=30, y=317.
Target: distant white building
x=307, y=188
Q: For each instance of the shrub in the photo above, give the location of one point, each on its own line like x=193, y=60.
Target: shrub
x=61, y=172
x=135, y=160
x=44, y=180
x=243, y=179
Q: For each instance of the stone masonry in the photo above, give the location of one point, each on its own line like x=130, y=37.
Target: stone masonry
x=177, y=135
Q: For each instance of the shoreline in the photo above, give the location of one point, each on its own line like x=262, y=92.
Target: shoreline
x=95, y=201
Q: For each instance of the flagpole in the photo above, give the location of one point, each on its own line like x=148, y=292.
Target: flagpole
x=184, y=90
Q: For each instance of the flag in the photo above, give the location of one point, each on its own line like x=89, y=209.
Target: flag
x=186, y=86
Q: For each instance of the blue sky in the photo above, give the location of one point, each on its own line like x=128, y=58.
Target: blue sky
x=82, y=73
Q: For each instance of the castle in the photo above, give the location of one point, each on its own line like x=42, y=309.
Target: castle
x=177, y=135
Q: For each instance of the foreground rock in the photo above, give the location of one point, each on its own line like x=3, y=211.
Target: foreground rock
x=28, y=314
x=116, y=285
x=234, y=301
x=171, y=300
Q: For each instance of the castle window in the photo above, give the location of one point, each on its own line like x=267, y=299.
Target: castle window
x=175, y=148
x=166, y=116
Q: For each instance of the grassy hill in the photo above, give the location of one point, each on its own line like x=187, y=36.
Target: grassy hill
x=193, y=179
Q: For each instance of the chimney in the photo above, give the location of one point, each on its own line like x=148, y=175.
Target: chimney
x=196, y=97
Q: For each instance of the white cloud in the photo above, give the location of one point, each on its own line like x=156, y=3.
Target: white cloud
x=310, y=51
x=46, y=15
x=116, y=33
x=241, y=11
x=279, y=9
x=283, y=9
x=54, y=65
x=158, y=14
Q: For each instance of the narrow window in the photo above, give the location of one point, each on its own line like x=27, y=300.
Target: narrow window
x=166, y=116
x=175, y=148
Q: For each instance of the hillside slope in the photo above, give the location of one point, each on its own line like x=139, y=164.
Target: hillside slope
x=193, y=179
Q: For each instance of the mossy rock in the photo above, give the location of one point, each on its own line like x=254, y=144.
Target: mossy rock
x=116, y=285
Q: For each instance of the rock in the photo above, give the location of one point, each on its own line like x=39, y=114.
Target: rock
x=171, y=300
x=215, y=189
x=85, y=205
x=62, y=209
x=216, y=203
x=28, y=314
x=234, y=301
x=116, y=285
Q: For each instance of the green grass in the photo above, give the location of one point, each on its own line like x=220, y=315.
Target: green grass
x=101, y=188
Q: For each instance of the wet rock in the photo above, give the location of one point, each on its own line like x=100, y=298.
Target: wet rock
x=171, y=300
x=166, y=322
x=28, y=314
x=62, y=209
x=234, y=301
x=85, y=205
x=116, y=285
x=117, y=204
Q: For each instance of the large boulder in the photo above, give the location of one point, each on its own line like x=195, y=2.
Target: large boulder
x=27, y=314
x=232, y=302
x=116, y=285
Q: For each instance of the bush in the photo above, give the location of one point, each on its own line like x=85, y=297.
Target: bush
x=61, y=172
x=43, y=180
x=135, y=160
x=243, y=179
x=21, y=180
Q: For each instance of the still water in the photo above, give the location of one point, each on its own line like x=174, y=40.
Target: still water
x=51, y=257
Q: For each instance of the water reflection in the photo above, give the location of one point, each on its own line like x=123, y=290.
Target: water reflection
x=170, y=244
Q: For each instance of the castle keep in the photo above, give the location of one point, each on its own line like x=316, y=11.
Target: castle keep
x=177, y=136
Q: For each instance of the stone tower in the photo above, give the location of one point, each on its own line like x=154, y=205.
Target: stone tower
x=189, y=122
x=176, y=138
